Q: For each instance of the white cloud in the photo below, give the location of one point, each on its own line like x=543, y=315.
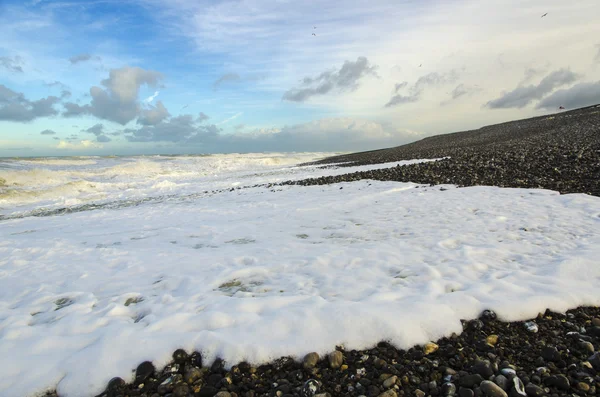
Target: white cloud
x=85, y=144
x=152, y=97
x=227, y=120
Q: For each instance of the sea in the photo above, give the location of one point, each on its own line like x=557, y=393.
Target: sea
x=106, y=262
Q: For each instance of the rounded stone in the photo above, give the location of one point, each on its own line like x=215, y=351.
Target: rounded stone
x=144, y=371
x=390, y=382
x=492, y=340
x=191, y=375
x=336, y=359
x=491, y=389
x=180, y=356
x=310, y=360
x=115, y=384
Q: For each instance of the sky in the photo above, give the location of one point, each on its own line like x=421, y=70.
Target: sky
x=114, y=77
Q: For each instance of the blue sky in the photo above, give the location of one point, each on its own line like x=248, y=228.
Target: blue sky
x=182, y=76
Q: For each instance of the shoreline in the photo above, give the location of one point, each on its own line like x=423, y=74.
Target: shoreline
x=559, y=152
x=553, y=354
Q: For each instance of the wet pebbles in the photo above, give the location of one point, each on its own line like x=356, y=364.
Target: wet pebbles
x=559, y=152
x=559, y=359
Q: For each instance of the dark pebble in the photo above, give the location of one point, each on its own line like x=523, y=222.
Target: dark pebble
x=144, y=371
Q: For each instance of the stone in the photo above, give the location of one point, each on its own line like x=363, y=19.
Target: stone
x=430, y=348
x=534, y=390
x=491, y=340
x=181, y=390
x=144, y=371
x=419, y=393
x=488, y=315
x=310, y=360
x=310, y=388
x=389, y=382
x=180, y=356
x=223, y=394
x=483, y=368
x=517, y=389
x=595, y=361
x=550, y=353
x=470, y=380
x=115, y=384
x=531, y=326
x=584, y=387
x=587, y=346
x=207, y=391
x=508, y=372
x=465, y=392
x=596, y=321
x=502, y=381
x=336, y=359
x=388, y=393
x=559, y=381
x=491, y=389
x=191, y=374
x=218, y=365
x=448, y=389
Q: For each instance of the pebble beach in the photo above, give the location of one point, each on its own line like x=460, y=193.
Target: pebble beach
x=553, y=354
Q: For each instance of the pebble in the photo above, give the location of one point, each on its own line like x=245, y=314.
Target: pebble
x=310, y=388
x=492, y=340
x=491, y=389
x=448, y=389
x=180, y=356
x=336, y=359
x=465, y=392
x=534, y=390
x=144, y=371
x=310, y=360
x=388, y=393
x=430, y=348
x=483, y=368
x=502, y=381
x=531, y=326
x=389, y=382
x=470, y=380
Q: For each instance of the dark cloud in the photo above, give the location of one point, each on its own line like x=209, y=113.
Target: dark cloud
x=56, y=138
x=176, y=129
x=345, y=79
x=12, y=64
x=580, y=95
x=417, y=89
x=401, y=99
x=335, y=134
x=400, y=86
x=98, y=130
x=153, y=115
x=15, y=107
x=74, y=110
x=83, y=58
x=202, y=117
x=459, y=91
x=47, y=132
x=239, y=127
x=320, y=135
x=530, y=73
x=226, y=78
x=524, y=95
x=117, y=102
